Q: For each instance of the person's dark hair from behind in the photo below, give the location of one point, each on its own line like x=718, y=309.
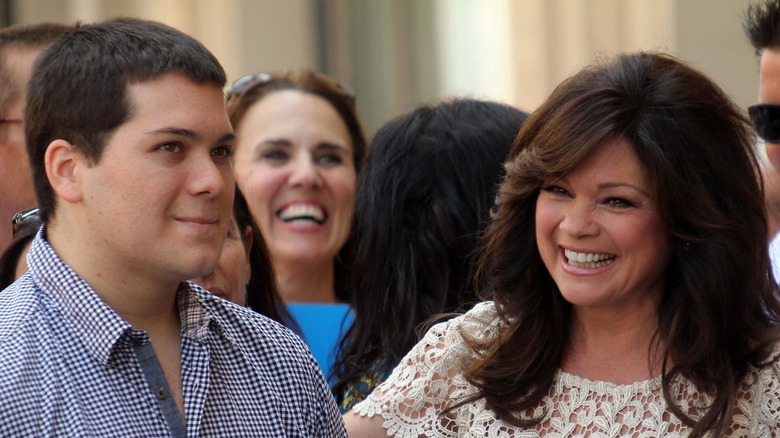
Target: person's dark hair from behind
x=60, y=107
x=762, y=24
x=262, y=294
x=424, y=196
x=15, y=251
x=719, y=312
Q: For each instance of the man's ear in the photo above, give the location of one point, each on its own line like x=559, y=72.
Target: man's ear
x=62, y=169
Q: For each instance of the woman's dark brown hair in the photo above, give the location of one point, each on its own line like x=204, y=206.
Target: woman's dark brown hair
x=245, y=92
x=719, y=313
x=261, y=293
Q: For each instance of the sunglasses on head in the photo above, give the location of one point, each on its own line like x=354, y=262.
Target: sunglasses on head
x=23, y=217
x=249, y=82
x=766, y=121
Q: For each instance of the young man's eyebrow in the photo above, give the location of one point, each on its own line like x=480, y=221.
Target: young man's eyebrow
x=190, y=134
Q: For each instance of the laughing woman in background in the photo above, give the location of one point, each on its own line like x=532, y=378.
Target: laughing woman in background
x=299, y=147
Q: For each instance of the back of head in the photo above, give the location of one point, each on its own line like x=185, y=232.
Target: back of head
x=21, y=38
x=762, y=24
x=78, y=90
x=424, y=196
x=427, y=187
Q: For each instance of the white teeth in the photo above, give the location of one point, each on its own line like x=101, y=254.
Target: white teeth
x=588, y=260
x=302, y=212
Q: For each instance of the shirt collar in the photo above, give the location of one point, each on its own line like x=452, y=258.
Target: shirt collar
x=96, y=324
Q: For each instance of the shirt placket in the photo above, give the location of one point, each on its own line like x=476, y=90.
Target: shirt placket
x=195, y=383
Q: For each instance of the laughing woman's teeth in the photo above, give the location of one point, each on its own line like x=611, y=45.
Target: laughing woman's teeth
x=588, y=260
x=302, y=212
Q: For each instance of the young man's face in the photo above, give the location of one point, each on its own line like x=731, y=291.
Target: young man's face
x=159, y=200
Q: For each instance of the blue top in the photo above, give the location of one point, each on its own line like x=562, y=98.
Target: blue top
x=323, y=326
x=71, y=366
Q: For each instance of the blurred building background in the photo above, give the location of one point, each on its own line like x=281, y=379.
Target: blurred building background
x=397, y=53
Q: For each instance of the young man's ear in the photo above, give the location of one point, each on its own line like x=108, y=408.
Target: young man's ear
x=62, y=164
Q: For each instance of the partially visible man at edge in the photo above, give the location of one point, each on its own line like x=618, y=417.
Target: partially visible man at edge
x=19, y=46
x=130, y=148
x=762, y=26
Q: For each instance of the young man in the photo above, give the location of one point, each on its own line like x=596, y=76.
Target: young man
x=762, y=25
x=130, y=148
x=19, y=46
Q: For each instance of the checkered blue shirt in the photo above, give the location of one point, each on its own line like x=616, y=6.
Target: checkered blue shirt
x=69, y=366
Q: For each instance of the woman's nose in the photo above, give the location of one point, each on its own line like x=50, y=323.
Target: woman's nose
x=305, y=174
x=578, y=220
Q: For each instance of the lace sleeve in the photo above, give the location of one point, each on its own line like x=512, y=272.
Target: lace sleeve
x=429, y=379
x=758, y=402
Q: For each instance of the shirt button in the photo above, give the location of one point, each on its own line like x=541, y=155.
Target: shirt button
x=161, y=394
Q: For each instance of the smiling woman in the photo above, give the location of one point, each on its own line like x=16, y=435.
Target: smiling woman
x=630, y=283
x=298, y=151
x=600, y=233
x=299, y=147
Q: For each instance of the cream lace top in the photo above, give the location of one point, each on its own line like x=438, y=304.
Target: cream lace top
x=429, y=378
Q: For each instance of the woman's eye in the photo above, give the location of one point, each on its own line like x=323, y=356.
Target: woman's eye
x=274, y=155
x=555, y=190
x=619, y=203
x=330, y=159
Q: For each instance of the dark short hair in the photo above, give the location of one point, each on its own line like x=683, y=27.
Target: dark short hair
x=719, y=312
x=762, y=24
x=78, y=89
x=341, y=99
x=22, y=37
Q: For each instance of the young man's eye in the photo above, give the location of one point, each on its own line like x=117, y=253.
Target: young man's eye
x=171, y=147
x=222, y=151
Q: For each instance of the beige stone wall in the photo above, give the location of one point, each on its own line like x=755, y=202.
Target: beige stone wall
x=398, y=53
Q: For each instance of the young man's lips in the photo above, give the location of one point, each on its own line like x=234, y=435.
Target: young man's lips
x=199, y=220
